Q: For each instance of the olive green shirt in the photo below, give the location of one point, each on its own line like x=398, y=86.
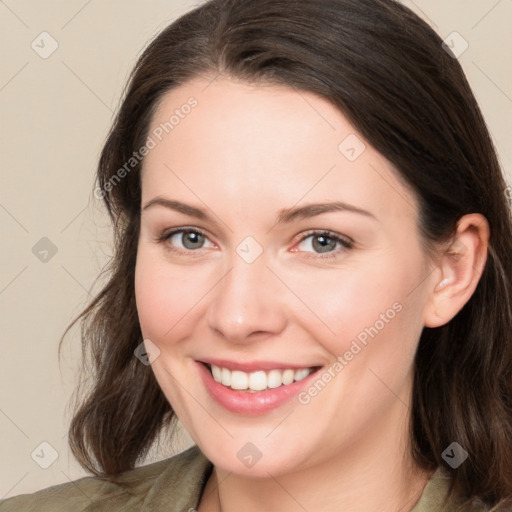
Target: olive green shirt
x=171, y=485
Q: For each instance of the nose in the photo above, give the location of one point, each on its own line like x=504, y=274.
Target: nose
x=246, y=305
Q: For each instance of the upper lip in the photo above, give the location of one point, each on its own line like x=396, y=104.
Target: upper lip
x=254, y=366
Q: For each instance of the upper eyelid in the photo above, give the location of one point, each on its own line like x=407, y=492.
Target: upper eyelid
x=182, y=229
x=320, y=232
x=165, y=236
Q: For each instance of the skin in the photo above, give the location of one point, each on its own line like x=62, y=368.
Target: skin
x=245, y=153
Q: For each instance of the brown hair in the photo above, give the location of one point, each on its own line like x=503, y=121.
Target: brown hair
x=386, y=70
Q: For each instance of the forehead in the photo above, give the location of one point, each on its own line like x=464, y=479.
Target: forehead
x=233, y=142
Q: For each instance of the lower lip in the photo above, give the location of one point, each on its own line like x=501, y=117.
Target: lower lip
x=251, y=404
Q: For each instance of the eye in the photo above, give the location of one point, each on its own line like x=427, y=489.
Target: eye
x=185, y=239
x=324, y=242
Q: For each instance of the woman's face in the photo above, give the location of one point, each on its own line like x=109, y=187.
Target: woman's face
x=273, y=238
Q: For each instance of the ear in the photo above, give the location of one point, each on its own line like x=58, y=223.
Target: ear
x=458, y=270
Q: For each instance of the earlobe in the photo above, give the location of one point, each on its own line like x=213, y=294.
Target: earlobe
x=460, y=267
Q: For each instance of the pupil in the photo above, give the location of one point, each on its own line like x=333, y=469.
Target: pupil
x=192, y=240
x=323, y=244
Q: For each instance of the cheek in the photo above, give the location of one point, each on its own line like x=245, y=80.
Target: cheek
x=370, y=324
x=167, y=298
x=364, y=304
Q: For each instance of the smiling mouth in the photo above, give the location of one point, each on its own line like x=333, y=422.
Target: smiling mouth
x=261, y=380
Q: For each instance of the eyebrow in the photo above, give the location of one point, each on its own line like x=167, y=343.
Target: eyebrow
x=311, y=210
x=285, y=215
x=186, y=209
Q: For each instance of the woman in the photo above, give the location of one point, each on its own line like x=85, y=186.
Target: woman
x=312, y=272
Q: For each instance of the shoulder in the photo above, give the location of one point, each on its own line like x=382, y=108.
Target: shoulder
x=436, y=497
x=172, y=484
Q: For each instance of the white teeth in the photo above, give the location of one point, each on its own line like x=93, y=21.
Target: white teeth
x=288, y=376
x=274, y=379
x=301, y=374
x=217, y=373
x=239, y=380
x=259, y=380
x=226, y=377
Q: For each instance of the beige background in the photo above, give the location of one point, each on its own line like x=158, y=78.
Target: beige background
x=55, y=114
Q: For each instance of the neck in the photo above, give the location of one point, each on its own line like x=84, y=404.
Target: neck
x=376, y=472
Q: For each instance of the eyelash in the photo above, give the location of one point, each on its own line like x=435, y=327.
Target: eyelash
x=345, y=242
